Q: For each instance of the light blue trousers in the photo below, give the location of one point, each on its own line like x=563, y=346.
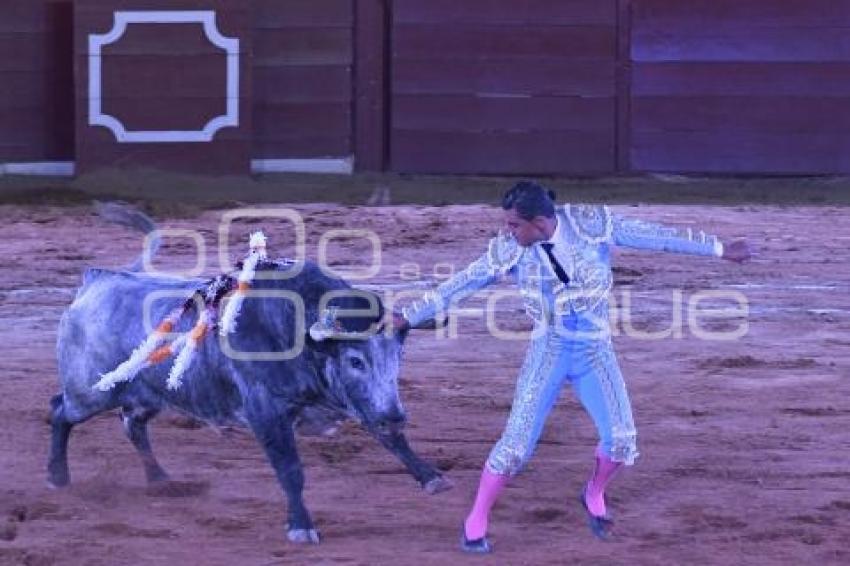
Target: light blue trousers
x=591, y=367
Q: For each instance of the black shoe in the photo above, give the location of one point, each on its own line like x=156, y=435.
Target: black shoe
x=477, y=546
x=599, y=526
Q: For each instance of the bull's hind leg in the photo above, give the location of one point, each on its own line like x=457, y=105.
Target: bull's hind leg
x=67, y=410
x=135, y=421
x=57, y=463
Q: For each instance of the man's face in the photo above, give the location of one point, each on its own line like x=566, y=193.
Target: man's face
x=526, y=232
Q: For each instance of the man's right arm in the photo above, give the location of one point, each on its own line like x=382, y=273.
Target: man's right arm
x=501, y=256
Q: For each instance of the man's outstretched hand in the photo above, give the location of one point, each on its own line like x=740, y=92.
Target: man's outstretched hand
x=737, y=251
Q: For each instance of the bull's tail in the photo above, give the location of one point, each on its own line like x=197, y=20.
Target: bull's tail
x=126, y=215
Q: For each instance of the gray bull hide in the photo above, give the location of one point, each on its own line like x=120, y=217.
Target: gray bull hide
x=345, y=378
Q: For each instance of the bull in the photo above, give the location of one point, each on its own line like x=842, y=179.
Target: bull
x=332, y=375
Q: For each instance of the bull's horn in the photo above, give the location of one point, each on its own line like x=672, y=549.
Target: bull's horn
x=320, y=332
x=328, y=327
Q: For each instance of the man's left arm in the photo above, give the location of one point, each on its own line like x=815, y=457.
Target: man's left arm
x=644, y=235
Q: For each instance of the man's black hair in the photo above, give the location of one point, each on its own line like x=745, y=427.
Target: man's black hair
x=530, y=199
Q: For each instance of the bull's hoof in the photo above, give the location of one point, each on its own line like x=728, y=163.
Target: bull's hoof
x=437, y=485
x=57, y=484
x=58, y=478
x=158, y=476
x=303, y=536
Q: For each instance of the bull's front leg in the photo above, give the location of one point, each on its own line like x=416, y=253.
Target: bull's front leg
x=427, y=475
x=276, y=436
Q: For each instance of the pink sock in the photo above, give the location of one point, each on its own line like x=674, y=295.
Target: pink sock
x=603, y=472
x=489, y=488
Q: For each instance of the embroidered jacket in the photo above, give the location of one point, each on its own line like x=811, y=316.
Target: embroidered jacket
x=587, y=232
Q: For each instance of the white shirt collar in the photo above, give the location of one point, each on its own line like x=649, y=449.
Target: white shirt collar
x=557, y=235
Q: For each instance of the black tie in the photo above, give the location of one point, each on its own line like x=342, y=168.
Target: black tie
x=559, y=271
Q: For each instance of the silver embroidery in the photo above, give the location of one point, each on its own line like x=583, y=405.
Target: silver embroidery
x=502, y=254
x=516, y=444
x=592, y=223
x=583, y=302
x=623, y=433
x=530, y=408
x=649, y=235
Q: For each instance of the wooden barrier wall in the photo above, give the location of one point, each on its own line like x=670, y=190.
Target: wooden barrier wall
x=536, y=87
x=36, y=80
x=303, y=65
x=488, y=86
x=740, y=86
x=168, y=80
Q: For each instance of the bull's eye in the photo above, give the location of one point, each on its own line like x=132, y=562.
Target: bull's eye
x=357, y=363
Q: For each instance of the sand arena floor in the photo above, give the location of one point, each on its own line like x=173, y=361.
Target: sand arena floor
x=745, y=444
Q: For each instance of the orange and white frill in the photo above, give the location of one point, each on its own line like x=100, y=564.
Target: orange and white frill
x=143, y=356
x=227, y=322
